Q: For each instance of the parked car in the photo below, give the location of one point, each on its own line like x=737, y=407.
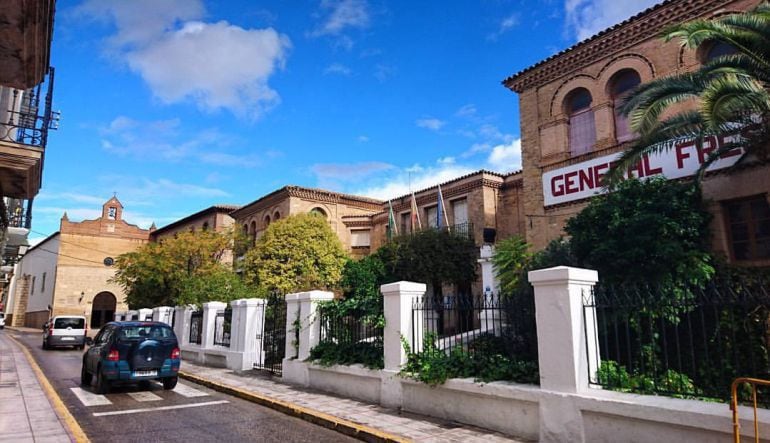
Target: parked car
x=130, y=352
x=65, y=330
x=2, y=320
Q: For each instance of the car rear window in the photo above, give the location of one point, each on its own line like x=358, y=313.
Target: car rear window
x=74, y=323
x=139, y=332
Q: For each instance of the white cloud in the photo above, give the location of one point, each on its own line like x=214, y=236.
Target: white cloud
x=420, y=178
x=341, y=15
x=172, y=142
x=467, y=111
x=505, y=25
x=383, y=72
x=214, y=65
x=337, y=68
x=335, y=175
x=587, y=17
x=431, y=123
x=362, y=139
x=505, y=157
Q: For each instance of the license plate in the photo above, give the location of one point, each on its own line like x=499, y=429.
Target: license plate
x=68, y=338
x=145, y=373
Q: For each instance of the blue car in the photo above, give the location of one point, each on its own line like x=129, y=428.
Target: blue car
x=131, y=352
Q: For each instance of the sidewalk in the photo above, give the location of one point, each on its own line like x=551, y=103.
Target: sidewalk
x=320, y=407
x=26, y=414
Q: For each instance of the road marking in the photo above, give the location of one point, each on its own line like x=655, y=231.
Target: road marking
x=187, y=391
x=144, y=396
x=160, y=408
x=89, y=398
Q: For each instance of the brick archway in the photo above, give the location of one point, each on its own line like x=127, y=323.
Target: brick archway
x=102, y=309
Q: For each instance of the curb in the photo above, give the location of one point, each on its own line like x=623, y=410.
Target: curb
x=328, y=421
x=64, y=414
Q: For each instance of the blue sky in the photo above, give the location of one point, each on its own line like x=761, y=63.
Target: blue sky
x=176, y=105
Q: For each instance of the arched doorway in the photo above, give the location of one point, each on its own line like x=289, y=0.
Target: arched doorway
x=102, y=309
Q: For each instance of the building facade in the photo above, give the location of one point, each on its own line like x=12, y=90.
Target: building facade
x=26, y=116
x=347, y=215
x=69, y=272
x=571, y=130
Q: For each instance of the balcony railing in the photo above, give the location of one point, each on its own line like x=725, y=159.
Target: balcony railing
x=464, y=230
x=19, y=213
x=30, y=116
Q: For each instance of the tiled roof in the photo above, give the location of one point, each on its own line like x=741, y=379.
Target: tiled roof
x=646, y=24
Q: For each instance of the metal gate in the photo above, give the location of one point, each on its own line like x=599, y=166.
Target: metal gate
x=271, y=338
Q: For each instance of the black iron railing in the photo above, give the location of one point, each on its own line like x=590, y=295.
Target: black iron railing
x=196, y=327
x=488, y=336
x=222, y=326
x=271, y=337
x=686, y=341
x=464, y=230
x=30, y=116
x=349, y=336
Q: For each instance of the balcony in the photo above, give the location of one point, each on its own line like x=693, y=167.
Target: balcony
x=464, y=230
x=26, y=41
x=25, y=119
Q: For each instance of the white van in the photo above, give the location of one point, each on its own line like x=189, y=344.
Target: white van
x=65, y=330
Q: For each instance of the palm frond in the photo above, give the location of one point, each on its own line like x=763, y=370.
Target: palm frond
x=730, y=96
x=686, y=125
x=645, y=104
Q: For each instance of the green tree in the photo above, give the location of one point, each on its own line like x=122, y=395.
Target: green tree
x=729, y=92
x=509, y=262
x=218, y=283
x=296, y=253
x=156, y=273
x=430, y=256
x=646, y=232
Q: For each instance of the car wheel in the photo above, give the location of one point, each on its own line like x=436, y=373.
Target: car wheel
x=85, y=376
x=169, y=383
x=102, y=384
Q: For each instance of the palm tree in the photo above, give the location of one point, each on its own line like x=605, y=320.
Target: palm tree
x=727, y=95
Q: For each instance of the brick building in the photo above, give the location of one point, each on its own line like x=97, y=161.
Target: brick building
x=571, y=131
x=69, y=272
x=348, y=215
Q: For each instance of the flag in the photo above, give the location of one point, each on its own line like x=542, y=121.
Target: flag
x=392, y=227
x=441, y=215
x=416, y=223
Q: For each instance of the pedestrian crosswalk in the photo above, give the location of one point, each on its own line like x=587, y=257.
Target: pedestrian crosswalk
x=89, y=399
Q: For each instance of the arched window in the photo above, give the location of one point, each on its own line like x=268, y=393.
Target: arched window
x=318, y=211
x=205, y=226
x=582, y=129
x=266, y=221
x=253, y=232
x=276, y=216
x=623, y=82
x=717, y=49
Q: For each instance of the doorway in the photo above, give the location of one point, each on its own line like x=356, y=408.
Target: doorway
x=102, y=309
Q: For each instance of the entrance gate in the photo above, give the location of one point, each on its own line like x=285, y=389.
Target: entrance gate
x=271, y=337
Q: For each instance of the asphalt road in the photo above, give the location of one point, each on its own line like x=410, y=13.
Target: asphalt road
x=190, y=413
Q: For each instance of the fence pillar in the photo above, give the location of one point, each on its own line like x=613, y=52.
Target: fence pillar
x=131, y=314
x=303, y=306
x=489, y=282
x=145, y=314
x=119, y=315
x=182, y=324
x=563, y=350
x=162, y=314
x=243, y=331
x=210, y=310
x=398, y=299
